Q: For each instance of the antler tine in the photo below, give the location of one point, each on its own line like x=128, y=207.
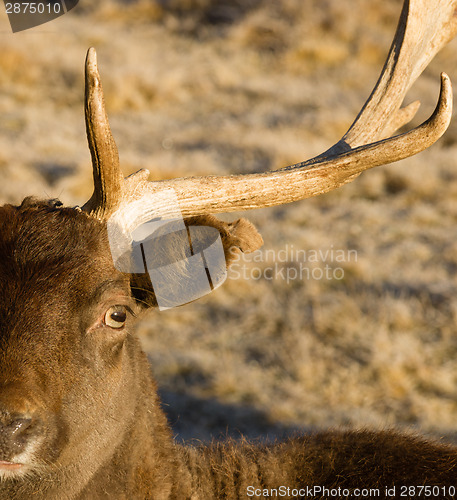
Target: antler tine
x=108, y=178
x=424, y=28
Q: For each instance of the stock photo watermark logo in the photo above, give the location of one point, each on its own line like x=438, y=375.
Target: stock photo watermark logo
x=184, y=263
x=149, y=235
x=25, y=15
x=290, y=264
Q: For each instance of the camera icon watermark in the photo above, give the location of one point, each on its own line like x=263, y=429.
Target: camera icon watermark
x=24, y=15
x=150, y=236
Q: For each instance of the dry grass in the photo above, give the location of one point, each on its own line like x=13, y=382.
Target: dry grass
x=224, y=86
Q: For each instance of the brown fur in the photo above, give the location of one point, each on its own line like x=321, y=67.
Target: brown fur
x=94, y=410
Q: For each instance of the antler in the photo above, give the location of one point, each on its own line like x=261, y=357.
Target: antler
x=108, y=178
x=425, y=26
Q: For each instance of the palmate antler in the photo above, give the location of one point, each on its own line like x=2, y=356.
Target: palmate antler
x=425, y=26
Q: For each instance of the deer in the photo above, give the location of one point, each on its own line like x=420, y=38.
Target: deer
x=80, y=417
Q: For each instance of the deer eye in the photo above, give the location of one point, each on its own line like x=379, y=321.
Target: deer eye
x=115, y=317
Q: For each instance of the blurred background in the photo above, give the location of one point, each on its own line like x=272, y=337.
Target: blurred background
x=197, y=87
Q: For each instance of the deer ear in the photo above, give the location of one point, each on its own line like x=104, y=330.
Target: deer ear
x=237, y=236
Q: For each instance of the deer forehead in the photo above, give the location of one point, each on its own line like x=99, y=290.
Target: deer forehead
x=55, y=267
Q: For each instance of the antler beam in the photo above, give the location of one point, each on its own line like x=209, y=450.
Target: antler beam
x=425, y=26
